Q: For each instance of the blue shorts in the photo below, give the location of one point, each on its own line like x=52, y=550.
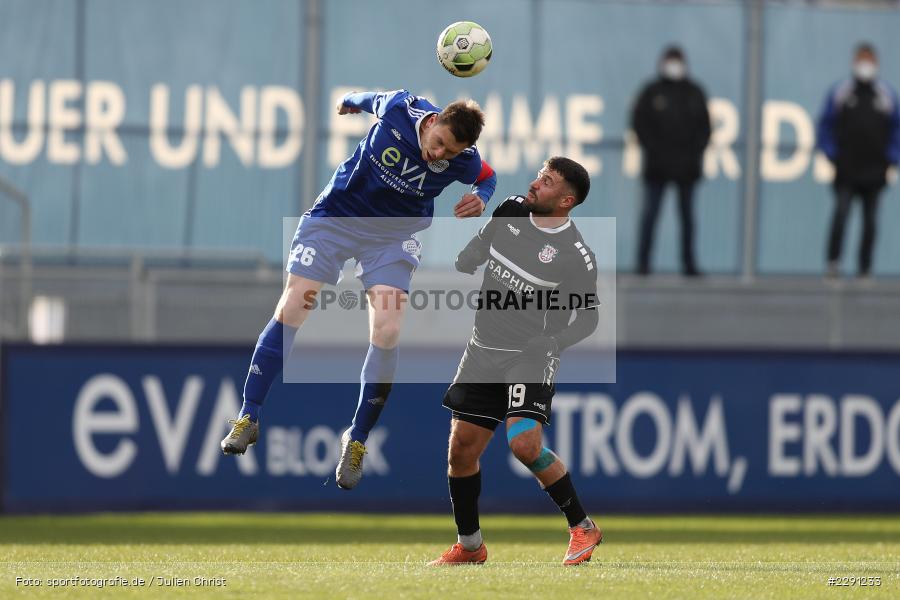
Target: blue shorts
x=322, y=245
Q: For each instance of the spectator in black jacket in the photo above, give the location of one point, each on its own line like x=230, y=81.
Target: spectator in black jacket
x=672, y=125
x=859, y=131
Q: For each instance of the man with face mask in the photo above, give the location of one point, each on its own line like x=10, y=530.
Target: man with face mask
x=671, y=122
x=859, y=131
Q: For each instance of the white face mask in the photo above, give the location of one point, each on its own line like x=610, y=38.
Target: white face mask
x=865, y=70
x=673, y=69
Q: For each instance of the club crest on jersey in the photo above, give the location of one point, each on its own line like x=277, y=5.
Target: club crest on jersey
x=547, y=253
x=439, y=166
x=411, y=247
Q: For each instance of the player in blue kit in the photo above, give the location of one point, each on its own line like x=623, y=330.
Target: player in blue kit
x=408, y=157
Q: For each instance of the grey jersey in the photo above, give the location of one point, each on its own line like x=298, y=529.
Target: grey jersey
x=534, y=277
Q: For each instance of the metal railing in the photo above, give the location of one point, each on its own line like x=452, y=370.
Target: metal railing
x=128, y=277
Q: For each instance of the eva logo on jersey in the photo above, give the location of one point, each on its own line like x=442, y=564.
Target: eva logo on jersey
x=391, y=156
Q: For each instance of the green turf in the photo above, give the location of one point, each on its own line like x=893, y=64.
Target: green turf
x=383, y=557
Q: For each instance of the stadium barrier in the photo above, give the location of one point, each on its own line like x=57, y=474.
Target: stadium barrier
x=104, y=427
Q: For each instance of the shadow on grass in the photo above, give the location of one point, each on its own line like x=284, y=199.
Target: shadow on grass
x=250, y=529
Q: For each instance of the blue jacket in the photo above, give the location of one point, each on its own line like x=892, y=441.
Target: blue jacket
x=859, y=131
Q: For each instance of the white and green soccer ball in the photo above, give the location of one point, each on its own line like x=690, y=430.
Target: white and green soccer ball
x=464, y=48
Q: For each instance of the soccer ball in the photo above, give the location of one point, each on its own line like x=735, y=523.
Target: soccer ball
x=464, y=48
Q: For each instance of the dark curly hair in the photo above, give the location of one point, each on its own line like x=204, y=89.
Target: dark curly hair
x=465, y=120
x=575, y=175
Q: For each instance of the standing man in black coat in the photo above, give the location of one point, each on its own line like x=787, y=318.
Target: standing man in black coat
x=672, y=125
x=859, y=132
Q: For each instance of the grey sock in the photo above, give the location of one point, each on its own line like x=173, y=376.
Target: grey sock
x=471, y=542
x=586, y=523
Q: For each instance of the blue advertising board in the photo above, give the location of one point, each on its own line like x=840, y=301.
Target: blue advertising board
x=138, y=427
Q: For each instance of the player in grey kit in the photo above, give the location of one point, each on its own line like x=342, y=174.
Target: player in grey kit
x=534, y=254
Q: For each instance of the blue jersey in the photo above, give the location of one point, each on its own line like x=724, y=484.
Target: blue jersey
x=386, y=176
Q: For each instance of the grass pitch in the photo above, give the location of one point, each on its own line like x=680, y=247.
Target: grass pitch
x=384, y=556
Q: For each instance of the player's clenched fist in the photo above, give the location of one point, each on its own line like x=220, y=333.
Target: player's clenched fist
x=470, y=205
x=343, y=109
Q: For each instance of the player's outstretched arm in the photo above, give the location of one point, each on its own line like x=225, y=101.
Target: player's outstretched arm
x=376, y=103
x=355, y=102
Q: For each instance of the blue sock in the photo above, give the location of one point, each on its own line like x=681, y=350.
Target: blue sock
x=374, y=387
x=265, y=365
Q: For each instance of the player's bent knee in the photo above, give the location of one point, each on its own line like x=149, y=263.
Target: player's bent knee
x=463, y=452
x=386, y=335
x=525, y=450
x=461, y=458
